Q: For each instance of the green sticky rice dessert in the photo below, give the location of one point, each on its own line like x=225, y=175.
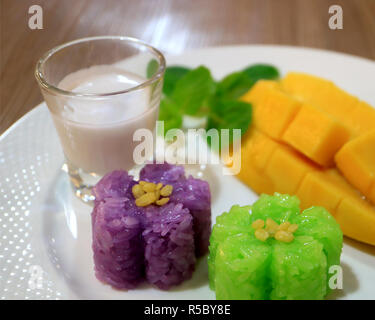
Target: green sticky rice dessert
x=272, y=251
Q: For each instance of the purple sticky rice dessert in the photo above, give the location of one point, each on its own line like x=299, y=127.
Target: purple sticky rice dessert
x=154, y=243
x=169, y=245
x=117, y=225
x=117, y=244
x=116, y=184
x=194, y=194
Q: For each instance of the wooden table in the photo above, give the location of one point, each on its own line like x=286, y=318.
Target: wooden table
x=172, y=26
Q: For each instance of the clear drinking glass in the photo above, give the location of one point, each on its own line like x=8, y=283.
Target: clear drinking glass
x=99, y=91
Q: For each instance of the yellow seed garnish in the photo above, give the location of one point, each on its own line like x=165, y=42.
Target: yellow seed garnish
x=162, y=201
x=137, y=191
x=166, y=190
x=282, y=232
x=146, y=199
x=292, y=228
x=149, y=187
x=157, y=194
x=284, y=226
x=146, y=193
x=258, y=224
x=271, y=226
x=261, y=234
x=284, y=236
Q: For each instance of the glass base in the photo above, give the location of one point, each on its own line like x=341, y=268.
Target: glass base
x=81, y=182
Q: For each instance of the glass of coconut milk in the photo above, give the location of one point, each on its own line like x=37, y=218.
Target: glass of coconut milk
x=99, y=91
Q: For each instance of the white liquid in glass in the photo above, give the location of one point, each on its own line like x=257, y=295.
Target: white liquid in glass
x=97, y=134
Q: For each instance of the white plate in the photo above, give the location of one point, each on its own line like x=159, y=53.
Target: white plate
x=44, y=228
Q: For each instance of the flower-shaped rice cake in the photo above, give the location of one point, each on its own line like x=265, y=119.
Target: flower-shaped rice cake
x=245, y=265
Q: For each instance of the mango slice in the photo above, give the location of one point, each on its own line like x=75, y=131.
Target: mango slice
x=316, y=190
x=356, y=115
x=304, y=86
x=281, y=169
x=274, y=113
x=272, y=109
x=356, y=161
x=259, y=149
x=287, y=168
x=316, y=134
x=362, y=118
x=357, y=219
x=256, y=151
x=256, y=180
x=302, y=125
x=325, y=188
x=338, y=104
x=259, y=91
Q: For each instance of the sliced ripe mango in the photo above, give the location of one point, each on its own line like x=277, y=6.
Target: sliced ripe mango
x=316, y=134
x=275, y=112
x=338, y=104
x=346, y=189
x=357, y=115
x=362, y=119
x=330, y=190
x=315, y=190
x=256, y=151
x=287, y=168
x=257, y=148
x=356, y=160
x=257, y=93
x=304, y=86
x=316, y=119
x=256, y=180
x=287, y=171
x=357, y=219
x=325, y=188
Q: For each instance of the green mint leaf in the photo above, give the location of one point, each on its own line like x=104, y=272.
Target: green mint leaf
x=169, y=113
x=233, y=86
x=193, y=90
x=171, y=76
x=152, y=67
x=261, y=71
x=230, y=114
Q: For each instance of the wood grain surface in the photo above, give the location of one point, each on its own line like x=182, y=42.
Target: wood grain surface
x=172, y=26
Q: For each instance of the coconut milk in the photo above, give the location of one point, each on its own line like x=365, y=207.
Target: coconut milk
x=97, y=133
